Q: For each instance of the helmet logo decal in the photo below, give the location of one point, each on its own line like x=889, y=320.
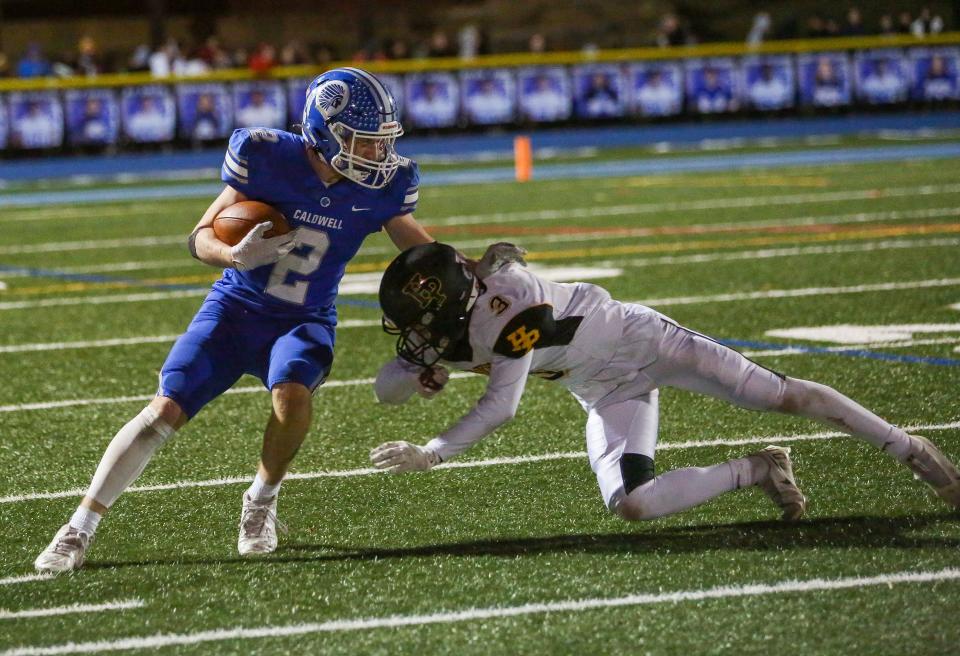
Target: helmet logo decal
x=331, y=97
x=425, y=291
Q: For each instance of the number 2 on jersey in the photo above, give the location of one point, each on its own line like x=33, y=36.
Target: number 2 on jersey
x=296, y=292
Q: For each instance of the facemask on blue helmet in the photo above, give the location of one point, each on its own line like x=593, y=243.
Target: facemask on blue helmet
x=350, y=119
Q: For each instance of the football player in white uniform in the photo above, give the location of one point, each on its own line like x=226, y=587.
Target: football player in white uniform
x=500, y=319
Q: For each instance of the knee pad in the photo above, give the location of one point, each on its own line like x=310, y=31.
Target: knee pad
x=636, y=470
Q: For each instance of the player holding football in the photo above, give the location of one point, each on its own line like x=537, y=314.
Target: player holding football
x=613, y=357
x=272, y=313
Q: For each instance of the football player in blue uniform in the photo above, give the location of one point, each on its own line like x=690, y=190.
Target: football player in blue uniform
x=272, y=313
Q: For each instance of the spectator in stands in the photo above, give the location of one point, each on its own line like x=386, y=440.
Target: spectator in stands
x=816, y=28
x=88, y=59
x=440, y=46
x=4, y=65
x=213, y=54
x=165, y=59
x=854, y=23
x=264, y=58
x=323, y=54
x=293, y=54
x=397, y=49
x=887, y=28
x=33, y=63
x=537, y=43
x=259, y=113
x=759, y=29
x=904, y=23
x=926, y=23
x=671, y=32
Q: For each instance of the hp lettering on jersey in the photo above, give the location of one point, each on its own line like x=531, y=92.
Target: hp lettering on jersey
x=523, y=340
x=318, y=219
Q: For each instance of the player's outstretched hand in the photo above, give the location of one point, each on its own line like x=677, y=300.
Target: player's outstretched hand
x=399, y=457
x=431, y=381
x=256, y=251
x=499, y=255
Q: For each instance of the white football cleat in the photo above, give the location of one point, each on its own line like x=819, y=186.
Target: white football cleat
x=779, y=483
x=930, y=465
x=258, y=526
x=65, y=553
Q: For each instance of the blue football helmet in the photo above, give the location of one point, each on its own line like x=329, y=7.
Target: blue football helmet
x=350, y=119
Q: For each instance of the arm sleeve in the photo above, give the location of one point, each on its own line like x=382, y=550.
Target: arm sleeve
x=411, y=190
x=396, y=382
x=508, y=378
x=236, y=168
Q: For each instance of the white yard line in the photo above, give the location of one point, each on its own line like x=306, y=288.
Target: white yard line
x=463, y=464
x=132, y=341
x=681, y=300
x=777, y=200
x=26, y=578
x=790, y=586
x=93, y=244
x=69, y=610
x=770, y=253
x=795, y=293
x=855, y=347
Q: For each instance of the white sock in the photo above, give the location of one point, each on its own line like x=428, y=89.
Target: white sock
x=259, y=489
x=830, y=407
x=85, y=520
x=748, y=471
x=685, y=488
x=127, y=454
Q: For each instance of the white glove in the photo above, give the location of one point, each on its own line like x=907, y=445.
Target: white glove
x=431, y=381
x=499, y=255
x=398, y=457
x=256, y=251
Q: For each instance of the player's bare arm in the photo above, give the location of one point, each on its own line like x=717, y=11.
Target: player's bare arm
x=406, y=232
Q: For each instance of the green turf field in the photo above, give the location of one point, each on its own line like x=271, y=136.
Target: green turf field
x=518, y=554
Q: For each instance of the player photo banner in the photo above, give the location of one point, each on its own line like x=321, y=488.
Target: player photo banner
x=599, y=91
x=260, y=105
x=488, y=96
x=36, y=120
x=712, y=85
x=882, y=76
x=148, y=114
x=934, y=73
x=768, y=82
x=432, y=100
x=4, y=123
x=205, y=111
x=824, y=79
x=544, y=94
x=656, y=88
x=93, y=117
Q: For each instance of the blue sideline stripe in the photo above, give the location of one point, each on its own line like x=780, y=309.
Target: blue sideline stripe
x=855, y=353
x=646, y=166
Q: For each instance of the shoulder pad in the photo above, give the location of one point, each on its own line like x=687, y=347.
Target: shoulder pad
x=533, y=328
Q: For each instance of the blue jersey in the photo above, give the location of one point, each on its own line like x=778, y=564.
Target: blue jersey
x=272, y=166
